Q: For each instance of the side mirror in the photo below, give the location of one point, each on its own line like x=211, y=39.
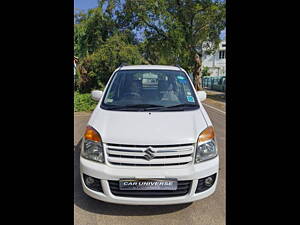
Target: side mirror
x=96, y=95
x=201, y=95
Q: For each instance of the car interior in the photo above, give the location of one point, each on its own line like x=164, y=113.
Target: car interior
x=154, y=89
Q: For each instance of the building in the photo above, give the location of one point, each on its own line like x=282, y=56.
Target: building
x=216, y=62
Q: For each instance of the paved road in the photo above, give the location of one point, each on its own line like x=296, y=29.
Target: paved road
x=209, y=211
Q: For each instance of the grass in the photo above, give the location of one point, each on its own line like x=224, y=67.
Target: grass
x=83, y=102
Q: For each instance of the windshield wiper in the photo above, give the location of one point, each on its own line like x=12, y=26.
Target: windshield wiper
x=145, y=107
x=136, y=106
x=179, y=107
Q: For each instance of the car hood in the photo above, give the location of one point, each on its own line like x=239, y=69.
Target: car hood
x=148, y=128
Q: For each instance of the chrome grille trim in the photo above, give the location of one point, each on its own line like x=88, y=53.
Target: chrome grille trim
x=143, y=155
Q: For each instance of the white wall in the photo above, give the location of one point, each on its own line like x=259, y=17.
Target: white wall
x=216, y=65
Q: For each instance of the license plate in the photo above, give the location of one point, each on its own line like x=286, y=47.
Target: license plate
x=148, y=184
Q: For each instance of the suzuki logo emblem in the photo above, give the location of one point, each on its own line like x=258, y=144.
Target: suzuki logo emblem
x=149, y=154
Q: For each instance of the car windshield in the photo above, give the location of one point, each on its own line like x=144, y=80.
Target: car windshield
x=136, y=90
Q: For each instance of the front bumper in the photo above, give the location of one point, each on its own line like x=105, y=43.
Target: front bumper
x=105, y=173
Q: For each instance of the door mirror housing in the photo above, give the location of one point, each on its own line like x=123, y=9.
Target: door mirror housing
x=96, y=95
x=201, y=95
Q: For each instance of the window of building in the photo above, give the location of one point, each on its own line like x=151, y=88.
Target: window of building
x=222, y=55
x=223, y=45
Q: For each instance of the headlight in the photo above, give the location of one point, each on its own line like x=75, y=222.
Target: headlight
x=92, y=145
x=206, y=146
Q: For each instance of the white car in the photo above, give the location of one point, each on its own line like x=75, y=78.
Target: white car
x=149, y=140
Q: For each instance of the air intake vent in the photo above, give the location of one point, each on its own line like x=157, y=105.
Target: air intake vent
x=183, y=188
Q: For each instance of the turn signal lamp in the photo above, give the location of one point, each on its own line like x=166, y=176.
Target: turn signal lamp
x=207, y=134
x=92, y=135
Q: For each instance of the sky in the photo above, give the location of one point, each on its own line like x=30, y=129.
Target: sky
x=85, y=4
x=223, y=34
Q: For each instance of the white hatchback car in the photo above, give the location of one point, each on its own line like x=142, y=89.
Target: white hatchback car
x=149, y=141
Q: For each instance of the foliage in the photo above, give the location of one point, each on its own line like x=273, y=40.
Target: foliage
x=205, y=72
x=83, y=102
x=104, y=60
x=173, y=32
x=101, y=47
x=109, y=56
x=181, y=28
x=91, y=31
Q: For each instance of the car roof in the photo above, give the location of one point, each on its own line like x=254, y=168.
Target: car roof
x=147, y=67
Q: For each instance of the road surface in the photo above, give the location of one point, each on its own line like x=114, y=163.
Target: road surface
x=209, y=211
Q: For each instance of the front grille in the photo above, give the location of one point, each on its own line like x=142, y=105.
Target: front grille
x=143, y=155
x=183, y=188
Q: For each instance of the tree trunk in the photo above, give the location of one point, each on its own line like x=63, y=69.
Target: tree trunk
x=197, y=73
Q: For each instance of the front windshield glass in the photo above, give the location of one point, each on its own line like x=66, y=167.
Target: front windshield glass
x=149, y=89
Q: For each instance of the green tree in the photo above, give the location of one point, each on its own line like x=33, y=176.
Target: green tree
x=101, y=47
x=111, y=54
x=183, y=29
x=175, y=31
x=104, y=60
x=91, y=30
